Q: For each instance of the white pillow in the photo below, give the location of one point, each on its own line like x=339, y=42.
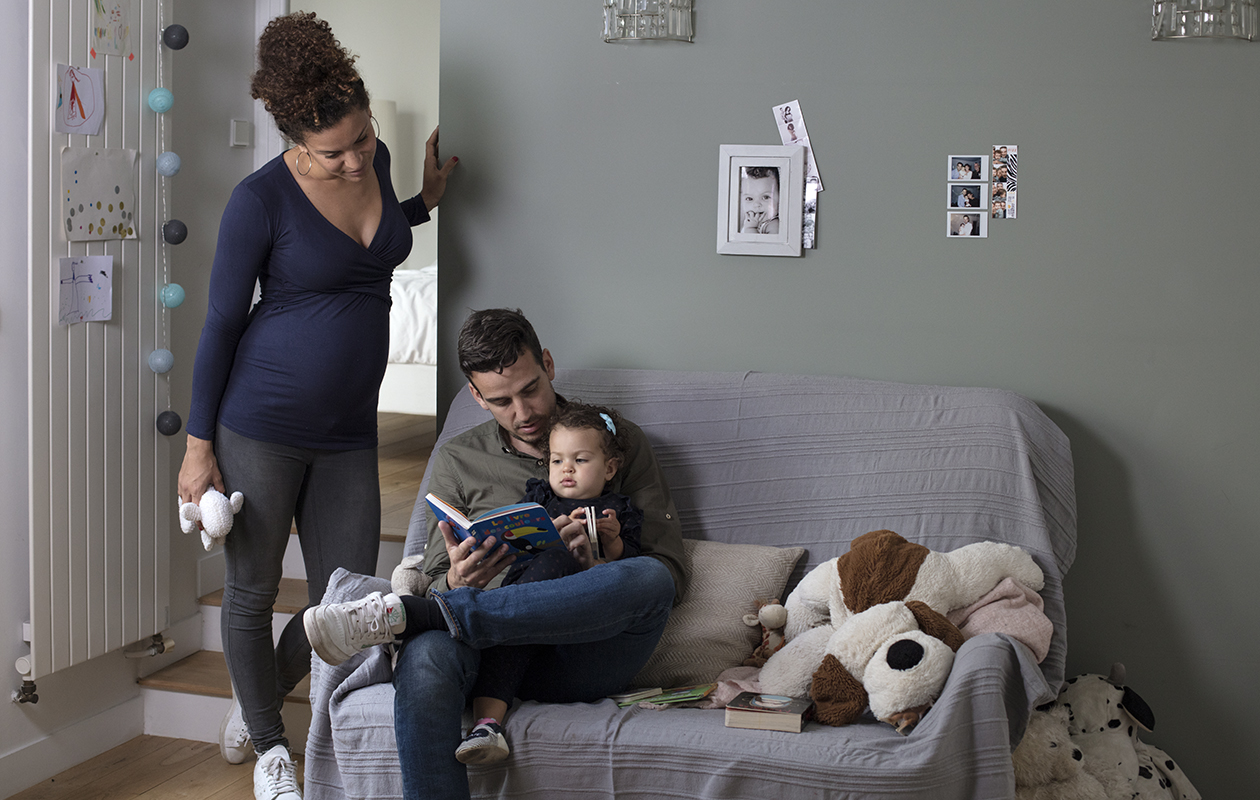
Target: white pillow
x=706, y=632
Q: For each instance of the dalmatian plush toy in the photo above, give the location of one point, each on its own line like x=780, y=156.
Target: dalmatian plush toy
x=1104, y=718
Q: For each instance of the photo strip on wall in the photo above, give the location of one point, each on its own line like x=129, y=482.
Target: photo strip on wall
x=968, y=197
x=1005, y=188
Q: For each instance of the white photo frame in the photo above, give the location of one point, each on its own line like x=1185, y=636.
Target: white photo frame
x=751, y=167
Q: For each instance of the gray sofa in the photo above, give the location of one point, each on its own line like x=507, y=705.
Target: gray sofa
x=760, y=461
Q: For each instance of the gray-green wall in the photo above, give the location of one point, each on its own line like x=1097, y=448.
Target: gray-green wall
x=1122, y=300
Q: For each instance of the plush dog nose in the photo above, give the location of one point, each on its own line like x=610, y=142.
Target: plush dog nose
x=905, y=654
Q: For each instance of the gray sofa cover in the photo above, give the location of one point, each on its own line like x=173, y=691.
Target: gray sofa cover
x=781, y=460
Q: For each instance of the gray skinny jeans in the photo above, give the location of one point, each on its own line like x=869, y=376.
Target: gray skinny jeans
x=335, y=498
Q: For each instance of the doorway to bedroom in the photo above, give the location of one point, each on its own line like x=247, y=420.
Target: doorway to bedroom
x=396, y=42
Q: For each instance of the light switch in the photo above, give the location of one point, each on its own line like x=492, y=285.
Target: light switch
x=241, y=133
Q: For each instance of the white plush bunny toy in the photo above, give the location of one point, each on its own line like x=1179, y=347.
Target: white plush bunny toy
x=214, y=513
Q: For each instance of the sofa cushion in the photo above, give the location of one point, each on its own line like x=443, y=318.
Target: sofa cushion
x=706, y=632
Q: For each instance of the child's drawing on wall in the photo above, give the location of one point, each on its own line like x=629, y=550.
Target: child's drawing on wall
x=80, y=100
x=111, y=28
x=86, y=290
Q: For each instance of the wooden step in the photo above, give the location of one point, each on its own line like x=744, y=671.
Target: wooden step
x=291, y=600
x=205, y=673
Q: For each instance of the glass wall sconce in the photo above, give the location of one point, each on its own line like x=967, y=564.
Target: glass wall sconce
x=643, y=20
x=1203, y=19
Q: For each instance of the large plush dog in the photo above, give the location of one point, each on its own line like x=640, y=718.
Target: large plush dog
x=870, y=627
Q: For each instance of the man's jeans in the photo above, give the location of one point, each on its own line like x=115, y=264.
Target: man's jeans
x=603, y=623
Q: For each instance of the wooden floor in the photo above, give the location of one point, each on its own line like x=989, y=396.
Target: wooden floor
x=152, y=768
x=156, y=768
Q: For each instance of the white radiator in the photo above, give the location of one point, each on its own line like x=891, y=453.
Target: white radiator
x=101, y=511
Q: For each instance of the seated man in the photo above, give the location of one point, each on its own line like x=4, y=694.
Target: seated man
x=623, y=604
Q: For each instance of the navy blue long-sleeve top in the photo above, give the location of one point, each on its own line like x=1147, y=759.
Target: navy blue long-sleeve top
x=304, y=367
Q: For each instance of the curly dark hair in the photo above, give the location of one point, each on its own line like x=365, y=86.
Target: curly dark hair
x=493, y=339
x=306, y=80
x=576, y=416
x=762, y=172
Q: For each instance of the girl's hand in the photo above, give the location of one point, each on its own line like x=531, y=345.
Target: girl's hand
x=573, y=533
x=608, y=527
x=752, y=219
x=609, y=530
x=435, y=173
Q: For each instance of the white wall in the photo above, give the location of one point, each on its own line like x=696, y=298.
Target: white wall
x=397, y=45
x=93, y=705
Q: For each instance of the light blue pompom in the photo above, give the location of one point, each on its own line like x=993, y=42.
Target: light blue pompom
x=168, y=164
x=172, y=295
x=161, y=100
x=161, y=361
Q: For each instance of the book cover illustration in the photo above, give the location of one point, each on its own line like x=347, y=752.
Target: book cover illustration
x=525, y=527
x=770, y=712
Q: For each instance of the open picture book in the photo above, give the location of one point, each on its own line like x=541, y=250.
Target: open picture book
x=525, y=527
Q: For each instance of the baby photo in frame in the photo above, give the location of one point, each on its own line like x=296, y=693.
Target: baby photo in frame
x=760, y=199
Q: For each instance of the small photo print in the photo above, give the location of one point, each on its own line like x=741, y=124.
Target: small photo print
x=1005, y=181
x=968, y=225
x=969, y=168
x=968, y=195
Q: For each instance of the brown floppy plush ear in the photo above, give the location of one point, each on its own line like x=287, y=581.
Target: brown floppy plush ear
x=880, y=567
x=934, y=624
x=839, y=698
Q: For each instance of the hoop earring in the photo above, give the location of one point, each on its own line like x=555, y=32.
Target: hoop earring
x=376, y=125
x=297, y=163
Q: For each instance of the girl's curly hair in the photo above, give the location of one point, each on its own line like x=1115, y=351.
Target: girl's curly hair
x=306, y=80
x=576, y=416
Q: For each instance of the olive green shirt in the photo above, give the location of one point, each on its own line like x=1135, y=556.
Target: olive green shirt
x=479, y=470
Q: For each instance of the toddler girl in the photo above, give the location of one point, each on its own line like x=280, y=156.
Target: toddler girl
x=584, y=452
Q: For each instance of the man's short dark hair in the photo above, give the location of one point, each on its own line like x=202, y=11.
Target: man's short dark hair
x=493, y=339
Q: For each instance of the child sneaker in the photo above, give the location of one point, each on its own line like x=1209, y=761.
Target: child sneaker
x=275, y=776
x=339, y=630
x=484, y=744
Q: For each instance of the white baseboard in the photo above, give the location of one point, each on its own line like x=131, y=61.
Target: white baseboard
x=72, y=745
x=210, y=571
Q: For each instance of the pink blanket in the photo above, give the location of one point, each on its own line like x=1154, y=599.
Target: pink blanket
x=1009, y=608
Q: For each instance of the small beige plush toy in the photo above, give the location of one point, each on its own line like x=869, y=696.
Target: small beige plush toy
x=1049, y=765
x=214, y=513
x=409, y=578
x=772, y=617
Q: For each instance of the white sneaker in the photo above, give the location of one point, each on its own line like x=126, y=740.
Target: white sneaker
x=484, y=744
x=275, y=776
x=233, y=735
x=340, y=630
